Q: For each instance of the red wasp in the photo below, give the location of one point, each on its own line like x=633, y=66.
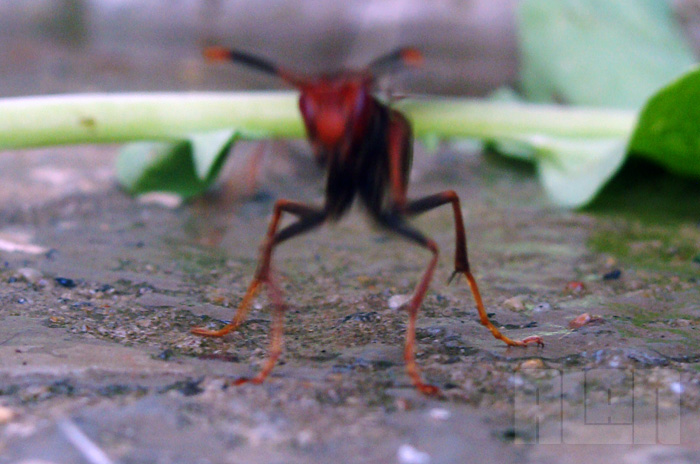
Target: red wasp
x=366, y=149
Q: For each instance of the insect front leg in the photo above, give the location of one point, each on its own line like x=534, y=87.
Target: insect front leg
x=309, y=217
x=461, y=261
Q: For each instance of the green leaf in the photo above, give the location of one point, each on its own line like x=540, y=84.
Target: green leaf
x=187, y=168
x=607, y=54
x=613, y=53
x=669, y=127
x=208, y=150
x=573, y=171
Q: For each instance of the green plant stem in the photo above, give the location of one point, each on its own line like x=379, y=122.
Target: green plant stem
x=111, y=118
x=469, y=118
x=108, y=118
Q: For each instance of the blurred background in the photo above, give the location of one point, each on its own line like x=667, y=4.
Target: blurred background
x=587, y=53
x=58, y=46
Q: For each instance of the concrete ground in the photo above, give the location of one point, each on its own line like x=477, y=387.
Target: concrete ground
x=101, y=290
x=98, y=292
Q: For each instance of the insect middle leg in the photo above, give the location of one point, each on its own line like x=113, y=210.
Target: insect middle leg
x=309, y=217
x=461, y=261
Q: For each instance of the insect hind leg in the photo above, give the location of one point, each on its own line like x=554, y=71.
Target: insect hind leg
x=422, y=205
x=395, y=223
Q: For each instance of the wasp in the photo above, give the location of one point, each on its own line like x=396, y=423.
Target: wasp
x=365, y=148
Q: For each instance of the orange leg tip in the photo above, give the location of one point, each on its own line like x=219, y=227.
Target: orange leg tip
x=412, y=56
x=430, y=390
x=216, y=53
x=253, y=380
x=533, y=339
x=241, y=381
x=206, y=332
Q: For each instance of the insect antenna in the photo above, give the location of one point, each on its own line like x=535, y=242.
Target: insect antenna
x=224, y=54
x=396, y=60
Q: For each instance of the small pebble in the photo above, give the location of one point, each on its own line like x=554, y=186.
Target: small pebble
x=64, y=282
x=404, y=404
x=582, y=320
x=612, y=275
x=541, y=307
x=305, y=438
x=396, y=301
x=166, y=354
x=514, y=304
x=680, y=323
x=29, y=274
x=677, y=388
x=106, y=288
x=439, y=414
x=18, y=244
x=575, y=286
x=6, y=415
x=407, y=454
x=188, y=387
x=371, y=316
x=534, y=363
x=166, y=200
x=14, y=429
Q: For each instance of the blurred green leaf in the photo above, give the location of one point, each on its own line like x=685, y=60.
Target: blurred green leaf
x=572, y=170
x=668, y=131
x=209, y=150
x=187, y=168
x=599, y=52
x=607, y=54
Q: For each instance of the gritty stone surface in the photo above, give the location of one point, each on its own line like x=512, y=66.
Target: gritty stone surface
x=112, y=351
x=98, y=291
